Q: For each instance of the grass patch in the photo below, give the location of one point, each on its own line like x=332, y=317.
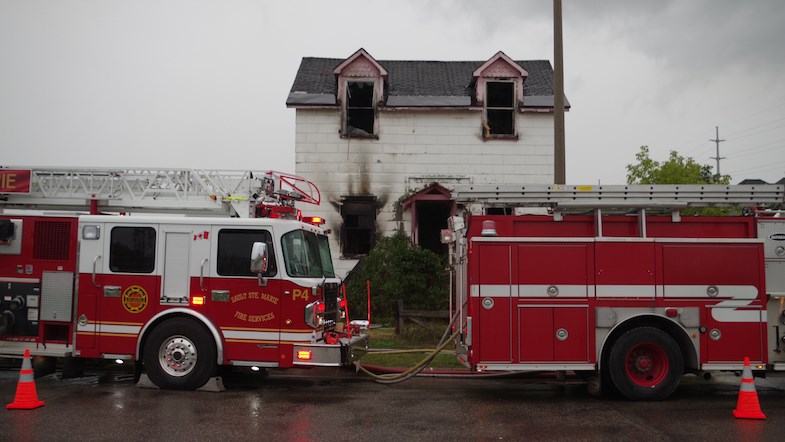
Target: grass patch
x=412, y=337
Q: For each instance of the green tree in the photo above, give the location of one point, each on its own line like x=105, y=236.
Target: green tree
x=677, y=170
x=397, y=269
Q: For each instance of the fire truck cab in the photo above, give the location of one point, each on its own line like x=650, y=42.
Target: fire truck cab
x=590, y=280
x=181, y=294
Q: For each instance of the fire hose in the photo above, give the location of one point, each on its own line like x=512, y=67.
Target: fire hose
x=394, y=378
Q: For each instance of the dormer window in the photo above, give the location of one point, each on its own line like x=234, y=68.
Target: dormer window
x=499, y=110
x=359, y=109
x=498, y=85
x=360, y=81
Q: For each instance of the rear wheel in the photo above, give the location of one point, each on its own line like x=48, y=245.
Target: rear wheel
x=645, y=363
x=180, y=354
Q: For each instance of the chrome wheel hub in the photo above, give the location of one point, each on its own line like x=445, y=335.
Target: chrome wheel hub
x=177, y=356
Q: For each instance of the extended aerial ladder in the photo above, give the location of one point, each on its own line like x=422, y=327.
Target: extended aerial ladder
x=183, y=191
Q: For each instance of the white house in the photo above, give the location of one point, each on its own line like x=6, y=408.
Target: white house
x=386, y=140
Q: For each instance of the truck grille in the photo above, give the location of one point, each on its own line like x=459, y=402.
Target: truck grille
x=52, y=240
x=331, y=313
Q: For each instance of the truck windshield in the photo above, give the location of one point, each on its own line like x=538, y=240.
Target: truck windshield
x=307, y=255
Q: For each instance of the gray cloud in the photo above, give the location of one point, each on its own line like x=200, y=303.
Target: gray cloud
x=694, y=34
x=202, y=83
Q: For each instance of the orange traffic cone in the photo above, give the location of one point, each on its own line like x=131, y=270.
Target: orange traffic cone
x=748, y=406
x=26, y=396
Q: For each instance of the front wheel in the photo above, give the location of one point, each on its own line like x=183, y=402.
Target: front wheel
x=180, y=354
x=645, y=363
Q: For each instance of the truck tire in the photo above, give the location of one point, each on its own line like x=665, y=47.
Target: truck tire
x=645, y=363
x=179, y=354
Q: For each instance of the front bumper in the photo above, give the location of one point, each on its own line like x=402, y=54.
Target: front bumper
x=346, y=351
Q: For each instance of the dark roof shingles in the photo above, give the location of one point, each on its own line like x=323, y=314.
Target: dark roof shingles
x=420, y=78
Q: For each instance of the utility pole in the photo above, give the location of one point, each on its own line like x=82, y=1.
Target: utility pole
x=717, y=141
x=559, y=168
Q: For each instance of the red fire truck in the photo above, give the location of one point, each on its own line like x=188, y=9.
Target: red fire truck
x=593, y=281
x=247, y=281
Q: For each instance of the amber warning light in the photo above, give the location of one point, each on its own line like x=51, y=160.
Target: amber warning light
x=304, y=355
x=197, y=300
x=315, y=220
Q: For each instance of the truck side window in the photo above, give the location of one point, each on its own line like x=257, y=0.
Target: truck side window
x=234, y=251
x=132, y=250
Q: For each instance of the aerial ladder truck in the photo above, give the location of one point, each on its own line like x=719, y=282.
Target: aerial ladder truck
x=180, y=270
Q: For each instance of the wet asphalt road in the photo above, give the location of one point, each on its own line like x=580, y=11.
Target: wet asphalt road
x=337, y=406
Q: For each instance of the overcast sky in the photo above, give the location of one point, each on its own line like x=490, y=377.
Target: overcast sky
x=203, y=84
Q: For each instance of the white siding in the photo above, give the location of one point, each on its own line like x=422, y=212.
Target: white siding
x=414, y=149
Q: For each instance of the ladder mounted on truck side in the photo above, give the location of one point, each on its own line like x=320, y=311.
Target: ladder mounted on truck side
x=560, y=198
x=242, y=194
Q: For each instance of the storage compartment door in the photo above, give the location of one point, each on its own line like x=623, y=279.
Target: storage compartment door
x=553, y=334
x=493, y=304
x=536, y=334
x=734, y=333
x=571, y=334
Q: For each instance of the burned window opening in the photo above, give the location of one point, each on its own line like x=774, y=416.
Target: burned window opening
x=499, y=109
x=360, y=118
x=358, y=233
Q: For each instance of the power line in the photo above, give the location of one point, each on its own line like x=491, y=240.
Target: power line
x=762, y=169
x=751, y=148
x=758, y=151
x=766, y=110
x=717, y=141
x=737, y=136
x=696, y=145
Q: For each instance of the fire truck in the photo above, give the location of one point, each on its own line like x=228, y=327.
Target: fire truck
x=615, y=284
x=191, y=270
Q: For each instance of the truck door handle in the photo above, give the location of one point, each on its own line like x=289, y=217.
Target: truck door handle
x=95, y=260
x=201, y=275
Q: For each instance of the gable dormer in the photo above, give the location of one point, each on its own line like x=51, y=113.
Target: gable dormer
x=498, y=85
x=360, y=88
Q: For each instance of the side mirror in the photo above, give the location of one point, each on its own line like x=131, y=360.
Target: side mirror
x=259, y=261
x=259, y=258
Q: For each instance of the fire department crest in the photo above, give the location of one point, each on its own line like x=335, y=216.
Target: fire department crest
x=135, y=299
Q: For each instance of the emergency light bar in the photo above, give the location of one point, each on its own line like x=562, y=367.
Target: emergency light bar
x=315, y=220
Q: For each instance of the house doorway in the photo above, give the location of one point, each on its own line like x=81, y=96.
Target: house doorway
x=431, y=219
x=430, y=209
